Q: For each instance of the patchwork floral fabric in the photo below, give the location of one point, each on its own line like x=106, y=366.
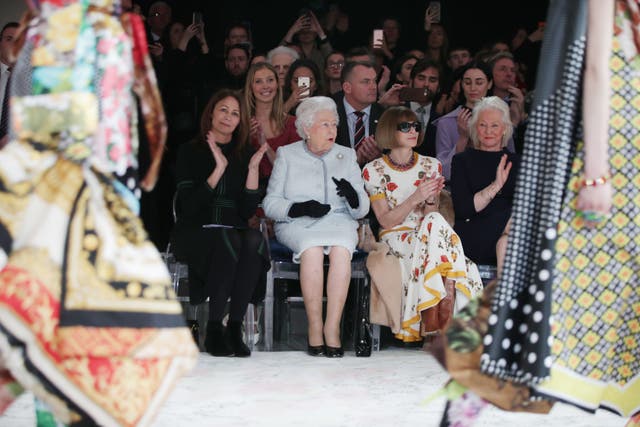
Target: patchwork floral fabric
x=88, y=320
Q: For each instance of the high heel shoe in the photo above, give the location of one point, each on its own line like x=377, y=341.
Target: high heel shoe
x=315, y=350
x=333, y=351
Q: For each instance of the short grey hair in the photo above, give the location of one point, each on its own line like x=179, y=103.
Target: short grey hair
x=490, y=103
x=307, y=110
x=282, y=49
x=498, y=56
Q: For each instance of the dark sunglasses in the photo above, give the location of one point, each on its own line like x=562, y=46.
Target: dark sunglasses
x=405, y=127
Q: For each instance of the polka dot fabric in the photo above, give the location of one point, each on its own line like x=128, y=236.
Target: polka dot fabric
x=517, y=346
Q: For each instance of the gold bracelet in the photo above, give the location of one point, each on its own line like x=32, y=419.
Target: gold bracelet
x=585, y=182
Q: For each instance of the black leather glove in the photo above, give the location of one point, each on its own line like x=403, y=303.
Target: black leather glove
x=346, y=190
x=311, y=208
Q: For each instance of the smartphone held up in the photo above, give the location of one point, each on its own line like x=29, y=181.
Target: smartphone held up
x=411, y=94
x=434, y=9
x=197, y=19
x=378, y=39
x=304, y=82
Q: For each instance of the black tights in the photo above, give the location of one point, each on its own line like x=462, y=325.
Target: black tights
x=242, y=265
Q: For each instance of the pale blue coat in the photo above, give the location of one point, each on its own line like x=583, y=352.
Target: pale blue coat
x=299, y=175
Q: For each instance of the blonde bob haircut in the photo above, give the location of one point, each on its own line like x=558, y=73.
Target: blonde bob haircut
x=490, y=103
x=388, y=126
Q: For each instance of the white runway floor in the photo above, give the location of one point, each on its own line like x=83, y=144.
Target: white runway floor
x=294, y=389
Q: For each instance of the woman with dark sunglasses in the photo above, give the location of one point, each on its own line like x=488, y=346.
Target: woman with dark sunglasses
x=404, y=188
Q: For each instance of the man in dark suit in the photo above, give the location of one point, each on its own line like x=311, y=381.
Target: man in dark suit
x=7, y=38
x=358, y=100
x=425, y=74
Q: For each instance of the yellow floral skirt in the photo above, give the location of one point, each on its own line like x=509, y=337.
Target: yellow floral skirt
x=428, y=256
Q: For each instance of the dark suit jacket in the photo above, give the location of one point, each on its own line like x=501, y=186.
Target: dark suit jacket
x=343, y=137
x=428, y=146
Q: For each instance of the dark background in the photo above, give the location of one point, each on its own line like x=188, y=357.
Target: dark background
x=468, y=22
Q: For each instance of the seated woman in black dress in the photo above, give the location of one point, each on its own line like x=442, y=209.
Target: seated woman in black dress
x=483, y=181
x=217, y=177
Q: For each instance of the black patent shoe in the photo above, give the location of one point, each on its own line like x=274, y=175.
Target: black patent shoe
x=315, y=350
x=333, y=351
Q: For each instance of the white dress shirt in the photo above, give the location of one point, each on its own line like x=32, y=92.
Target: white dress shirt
x=423, y=114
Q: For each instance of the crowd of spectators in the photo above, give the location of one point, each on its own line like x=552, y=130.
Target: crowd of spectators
x=436, y=87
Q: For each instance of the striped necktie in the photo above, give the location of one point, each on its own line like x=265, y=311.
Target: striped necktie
x=358, y=130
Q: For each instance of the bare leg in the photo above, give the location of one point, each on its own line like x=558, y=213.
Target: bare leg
x=337, y=289
x=501, y=247
x=311, y=280
x=501, y=252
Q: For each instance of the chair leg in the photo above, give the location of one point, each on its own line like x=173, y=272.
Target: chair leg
x=268, y=311
x=375, y=337
x=249, y=326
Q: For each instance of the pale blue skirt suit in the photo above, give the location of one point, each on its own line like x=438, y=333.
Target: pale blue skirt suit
x=300, y=175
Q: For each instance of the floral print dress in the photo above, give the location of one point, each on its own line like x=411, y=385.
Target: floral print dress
x=428, y=249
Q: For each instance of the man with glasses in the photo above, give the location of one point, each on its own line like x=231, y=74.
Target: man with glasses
x=332, y=71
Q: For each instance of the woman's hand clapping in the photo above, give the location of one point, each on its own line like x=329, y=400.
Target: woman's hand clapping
x=428, y=190
x=218, y=156
x=502, y=173
x=220, y=159
x=255, y=160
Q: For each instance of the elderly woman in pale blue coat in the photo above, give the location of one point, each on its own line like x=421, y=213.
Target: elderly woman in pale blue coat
x=315, y=196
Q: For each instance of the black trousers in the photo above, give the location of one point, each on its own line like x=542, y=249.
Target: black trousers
x=236, y=267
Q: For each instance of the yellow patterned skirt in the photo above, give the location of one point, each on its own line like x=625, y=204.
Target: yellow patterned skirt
x=596, y=296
